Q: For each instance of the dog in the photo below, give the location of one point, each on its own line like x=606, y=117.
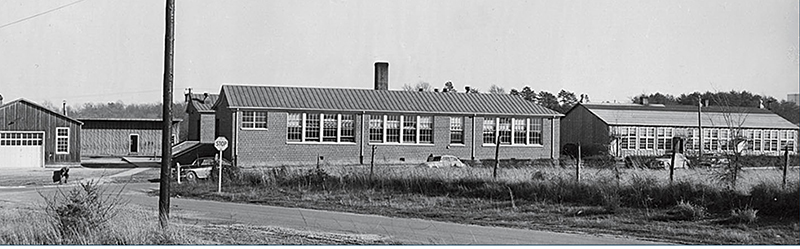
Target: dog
x=61, y=176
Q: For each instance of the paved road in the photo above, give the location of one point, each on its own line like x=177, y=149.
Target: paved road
x=404, y=230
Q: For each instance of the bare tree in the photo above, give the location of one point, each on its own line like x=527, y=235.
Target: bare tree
x=733, y=118
x=425, y=86
x=495, y=89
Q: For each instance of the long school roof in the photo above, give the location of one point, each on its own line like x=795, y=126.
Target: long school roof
x=686, y=116
x=342, y=99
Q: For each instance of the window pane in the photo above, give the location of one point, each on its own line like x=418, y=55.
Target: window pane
x=329, y=126
x=294, y=127
x=260, y=120
x=409, y=129
x=456, y=130
x=488, y=130
x=248, y=119
x=348, y=133
x=536, y=131
x=425, y=129
x=520, y=131
x=62, y=140
x=392, y=128
x=312, y=127
x=376, y=128
x=504, y=130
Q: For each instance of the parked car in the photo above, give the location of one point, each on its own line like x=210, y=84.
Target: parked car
x=200, y=168
x=664, y=162
x=443, y=161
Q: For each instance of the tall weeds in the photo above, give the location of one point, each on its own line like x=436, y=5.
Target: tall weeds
x=87, y=214
x=605, y=189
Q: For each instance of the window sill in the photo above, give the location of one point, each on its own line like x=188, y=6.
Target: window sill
x=399, y=144
x=515, y=145
x=254, y=129
x=321, y=143
x=457, y=145
x=62, y=153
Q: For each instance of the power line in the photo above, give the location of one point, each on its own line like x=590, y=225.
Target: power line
x=41, y=13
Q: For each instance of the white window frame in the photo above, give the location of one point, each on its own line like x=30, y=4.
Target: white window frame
x=321, y=128
x=59, y=137
x=251, y=125
x=457, y=125
x=401, y=140
x=528, y=129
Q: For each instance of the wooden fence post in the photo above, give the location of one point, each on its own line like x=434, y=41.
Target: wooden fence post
x=785, y=165
x=371, y=163
x=578, y=165
x=672, y=163
x=496, y=156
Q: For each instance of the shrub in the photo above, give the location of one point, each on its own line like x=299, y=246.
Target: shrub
x=230, y=174
x=82, y=211
x=688, y=211
x=771, y=199
x=746, y=215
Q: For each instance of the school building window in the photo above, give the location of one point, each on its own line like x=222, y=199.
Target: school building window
x=512, y=131
x=320, y=127
x=405, y=129
x=254, y=120
x=456, y=130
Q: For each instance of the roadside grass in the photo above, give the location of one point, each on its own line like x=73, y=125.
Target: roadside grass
x=638, y=203
x=93, y=214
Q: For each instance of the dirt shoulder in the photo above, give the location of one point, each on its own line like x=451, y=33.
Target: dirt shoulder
x=44, y=176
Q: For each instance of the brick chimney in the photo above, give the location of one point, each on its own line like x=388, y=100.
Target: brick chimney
x=382, y=76
x=1, y=99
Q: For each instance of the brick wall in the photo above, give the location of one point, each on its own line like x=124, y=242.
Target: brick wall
x=269, y=147
x=207, y=128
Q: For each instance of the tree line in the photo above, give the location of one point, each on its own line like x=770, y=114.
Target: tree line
x=564, y=100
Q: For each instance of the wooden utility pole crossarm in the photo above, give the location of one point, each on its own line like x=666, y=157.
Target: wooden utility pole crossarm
x=166, y=131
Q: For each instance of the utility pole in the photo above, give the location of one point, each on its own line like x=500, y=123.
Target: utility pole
x=166, y=115
x=700, y=128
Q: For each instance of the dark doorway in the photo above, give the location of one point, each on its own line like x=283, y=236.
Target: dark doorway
x=134, y=143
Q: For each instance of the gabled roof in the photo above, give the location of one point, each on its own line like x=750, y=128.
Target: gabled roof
x=342, y=99
x=203, y=104
x=686, y=116
x=42, y=108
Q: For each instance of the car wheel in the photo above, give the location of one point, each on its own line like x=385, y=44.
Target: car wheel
x=191, y=177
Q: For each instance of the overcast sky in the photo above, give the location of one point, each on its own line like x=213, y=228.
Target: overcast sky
x=109, y=50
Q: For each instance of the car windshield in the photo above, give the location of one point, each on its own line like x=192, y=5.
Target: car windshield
x=207, y=162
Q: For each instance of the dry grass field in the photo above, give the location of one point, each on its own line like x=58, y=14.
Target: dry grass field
x=694, y=209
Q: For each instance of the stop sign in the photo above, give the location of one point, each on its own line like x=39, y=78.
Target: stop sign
x=221, y=143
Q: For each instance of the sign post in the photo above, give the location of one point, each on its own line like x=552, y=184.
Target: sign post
x=221, y=144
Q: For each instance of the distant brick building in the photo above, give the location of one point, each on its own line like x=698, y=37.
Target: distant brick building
x=632, y=129
x=200, y=116
x=270, y=125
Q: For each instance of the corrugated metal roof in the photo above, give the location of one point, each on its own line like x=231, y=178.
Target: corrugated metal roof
x=713, y=116
x=175, y=120
x=203, y=104
x=31, y=103
x=304, y=98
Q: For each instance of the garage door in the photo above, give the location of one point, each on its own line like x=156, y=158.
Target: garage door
x=19, y=149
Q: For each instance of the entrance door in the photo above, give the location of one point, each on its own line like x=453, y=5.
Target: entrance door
x=134, y=144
